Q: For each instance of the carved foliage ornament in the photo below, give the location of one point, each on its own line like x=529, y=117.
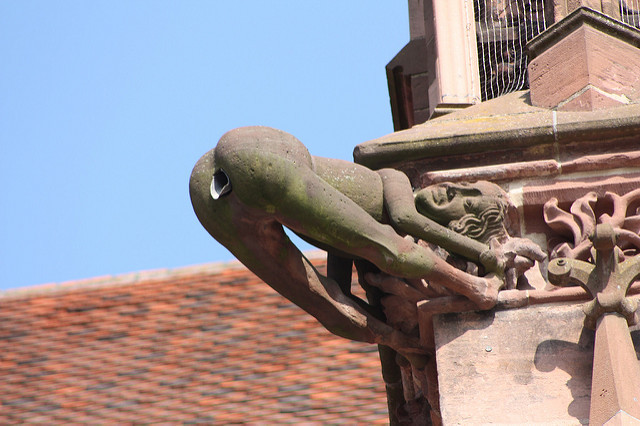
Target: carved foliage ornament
x=601, y=252
x=575, y=226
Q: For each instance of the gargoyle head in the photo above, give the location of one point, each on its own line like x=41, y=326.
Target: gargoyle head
x=481, y=210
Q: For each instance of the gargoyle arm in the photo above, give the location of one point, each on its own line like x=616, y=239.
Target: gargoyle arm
x=400, y=206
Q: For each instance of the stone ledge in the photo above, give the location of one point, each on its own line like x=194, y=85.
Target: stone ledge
x=509, y=125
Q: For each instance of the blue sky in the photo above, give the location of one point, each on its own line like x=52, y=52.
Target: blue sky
x=106, y=106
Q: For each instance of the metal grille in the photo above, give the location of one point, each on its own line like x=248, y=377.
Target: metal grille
x=630, y=12
x=503, y=29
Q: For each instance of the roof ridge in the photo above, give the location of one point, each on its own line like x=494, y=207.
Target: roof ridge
x=129, y=278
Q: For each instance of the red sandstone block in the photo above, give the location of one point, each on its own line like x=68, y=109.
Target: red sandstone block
x=585, y=63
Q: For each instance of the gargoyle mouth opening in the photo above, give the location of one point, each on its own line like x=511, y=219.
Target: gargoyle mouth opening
x=220, y=184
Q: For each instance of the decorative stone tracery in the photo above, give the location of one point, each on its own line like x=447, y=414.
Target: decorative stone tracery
x=579, y=224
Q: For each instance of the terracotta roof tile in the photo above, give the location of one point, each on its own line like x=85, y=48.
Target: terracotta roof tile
x=205, y=344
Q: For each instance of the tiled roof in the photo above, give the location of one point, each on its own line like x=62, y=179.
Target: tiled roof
x=205, y=344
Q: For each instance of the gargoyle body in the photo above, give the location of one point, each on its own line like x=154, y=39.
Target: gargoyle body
x=259, y=179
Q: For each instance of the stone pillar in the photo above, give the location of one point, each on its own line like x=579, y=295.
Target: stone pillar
x=437, y=71
x=587, y=61
x=616, y=376
x=457, y=82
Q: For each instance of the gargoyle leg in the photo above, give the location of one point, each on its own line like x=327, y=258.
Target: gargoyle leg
x=287, y=270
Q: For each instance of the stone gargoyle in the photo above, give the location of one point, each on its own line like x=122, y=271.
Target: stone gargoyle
x=259, y=179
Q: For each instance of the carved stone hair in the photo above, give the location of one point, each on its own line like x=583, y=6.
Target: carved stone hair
x=498, y=221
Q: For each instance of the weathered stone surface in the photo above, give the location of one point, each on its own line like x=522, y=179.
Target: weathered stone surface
x=531, y=365
x=510, y=367
x=590, y=98
x=502, y=131
x=616, y=378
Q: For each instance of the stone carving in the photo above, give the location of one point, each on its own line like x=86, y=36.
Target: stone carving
x=601, y=255
x=259, y=179
x=607, y=280
x=603, y=259
x=575, y=227
x=481, y=211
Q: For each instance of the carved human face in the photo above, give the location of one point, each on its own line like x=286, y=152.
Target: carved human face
x=448, y=201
